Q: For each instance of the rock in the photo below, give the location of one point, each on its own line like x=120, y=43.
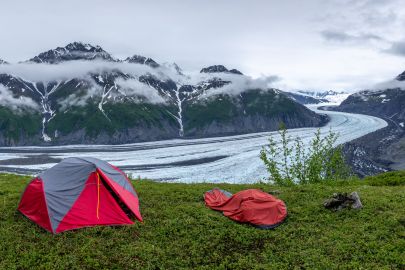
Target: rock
x=342, y=200
x=356, y=200
x=274, y=192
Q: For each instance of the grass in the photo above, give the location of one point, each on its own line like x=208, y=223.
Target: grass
x=179, y=232
x=389, y=178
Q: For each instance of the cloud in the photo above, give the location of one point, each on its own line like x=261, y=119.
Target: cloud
x=339, y=36
x=81, y=100
x=71, y=69
x=391, y=84
x=82, y=70
x=240, y=83
x=397, y=48
x=132, y=87
x=371, y=24
x=8, y=100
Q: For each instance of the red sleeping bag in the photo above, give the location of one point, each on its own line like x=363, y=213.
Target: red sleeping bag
x=249, y=206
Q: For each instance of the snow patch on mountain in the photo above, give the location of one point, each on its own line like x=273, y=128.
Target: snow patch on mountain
x=179, y=117
x=329, y=96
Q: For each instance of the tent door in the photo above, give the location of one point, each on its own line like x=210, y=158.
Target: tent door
x=115, y=196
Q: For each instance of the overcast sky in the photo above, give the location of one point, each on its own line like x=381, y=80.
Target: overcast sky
x=309, y=44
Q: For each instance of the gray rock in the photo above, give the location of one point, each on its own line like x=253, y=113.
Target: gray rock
x=339, y=201
x=354, y=196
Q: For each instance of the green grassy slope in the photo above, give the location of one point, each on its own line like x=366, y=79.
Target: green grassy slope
x=180, y=232
x=121, y=115
x=14, y=125
x=224, y=109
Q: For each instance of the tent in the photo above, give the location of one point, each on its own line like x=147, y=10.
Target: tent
x=248, y=206
x=80, y=192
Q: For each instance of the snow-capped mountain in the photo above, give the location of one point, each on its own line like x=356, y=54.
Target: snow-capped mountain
x=401, y=77
x=72, y=51
x=2, y=62
x=85, y=95
x=138, y=59
x=382, y=150
x=304, y=99
x=220, y=69
x=329, y=96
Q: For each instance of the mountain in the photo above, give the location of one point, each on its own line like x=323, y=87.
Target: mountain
x=316, y=97
x=84, y=95
x=138, y=59
x=304, y=99
x=220, y=69
x=73, y=51
x=401, y=77
x=2, y=62
x=384, y=149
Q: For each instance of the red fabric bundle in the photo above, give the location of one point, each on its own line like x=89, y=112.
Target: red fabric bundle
x=249, y=206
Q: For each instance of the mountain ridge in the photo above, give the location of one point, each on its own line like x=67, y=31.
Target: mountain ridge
x=382, y=150
x=119, y=102
x=72, y=51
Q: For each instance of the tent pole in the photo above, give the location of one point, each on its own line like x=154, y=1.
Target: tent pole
x=98, y=193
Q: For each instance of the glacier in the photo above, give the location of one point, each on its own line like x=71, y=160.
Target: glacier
x=231, y=159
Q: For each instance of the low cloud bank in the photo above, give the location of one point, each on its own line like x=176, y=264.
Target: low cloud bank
x=397, y=48
x=47, y=73
x=73, y=69
x=241, y=83
x=8, y=100
x=392, y=84
x=133, y=87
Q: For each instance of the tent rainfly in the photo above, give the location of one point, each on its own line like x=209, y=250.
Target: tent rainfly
x=80, y=192
x=248, y=206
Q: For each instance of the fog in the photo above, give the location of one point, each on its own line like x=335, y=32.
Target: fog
x=8, y=100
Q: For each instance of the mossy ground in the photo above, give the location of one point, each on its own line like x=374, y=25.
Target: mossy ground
x=180, y=232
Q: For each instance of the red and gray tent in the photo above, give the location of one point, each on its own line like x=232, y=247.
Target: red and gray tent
x=80, y=192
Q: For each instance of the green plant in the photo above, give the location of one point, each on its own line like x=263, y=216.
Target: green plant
x=290, y=162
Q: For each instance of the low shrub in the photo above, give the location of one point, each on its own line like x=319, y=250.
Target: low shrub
x=289, y=162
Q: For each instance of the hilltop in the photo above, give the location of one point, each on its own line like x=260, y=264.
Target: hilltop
x=180, y=232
